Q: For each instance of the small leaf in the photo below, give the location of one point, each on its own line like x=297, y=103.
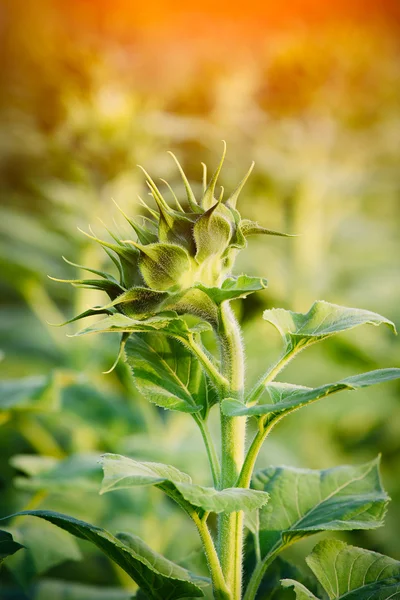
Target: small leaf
x=121, y=472
x=122, y=323
x=353, y=573
x=7, y=545
x=227, y=500
x=303, y=502
x=253, y=228
x=160, y=581
x=136, y=301
x=320, y=322
x=208, y=199
x=212, y=232
x=233, y=288
x=162, y=265
x=302, y=593
x=287, y=397
x=166, y=372
x=233, y=198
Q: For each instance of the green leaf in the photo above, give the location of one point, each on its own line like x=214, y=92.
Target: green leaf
x=253, y=228
x=159, y=579
x=270, y=586
x=166, y=372
x=168, y=322
x=121, y=472
x=162, y=265
x=212, y=232
x=353, y=573
x=137, y=301
x=36, y=393
x=7, y=545
x=44, y=549
x=234, y=287
x=303, y=502
x=287, y=397
x=320, y=322
x=302, y=593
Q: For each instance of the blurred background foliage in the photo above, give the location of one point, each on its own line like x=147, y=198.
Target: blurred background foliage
x=90, y=89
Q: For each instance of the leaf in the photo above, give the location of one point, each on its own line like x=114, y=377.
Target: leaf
x=320, y=322
x=30, y=393
x=303, y=502
x=44, y=549
x=166, y=372
x=212, y=232
x=167, y=322
x=234, y=287
x=160, y=582
x=227, y=500
x=353, y=573
x=302, y=593
x=270, y=586
x=253, y=228
x=7, y=545
x=162, y=265
x=137, y=301
x=121, y=472
x=287, y=397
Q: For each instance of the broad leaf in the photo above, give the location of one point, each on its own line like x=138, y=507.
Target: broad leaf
x=168, y=323
x=287, y=397
x=44, y=549
x=352, y=573
x=303, y=502
x=29, y=394
x=321, y=321
x=234, y=287
x=160, y=579
x=166, y=372
x=121, y=472
x=7, y=545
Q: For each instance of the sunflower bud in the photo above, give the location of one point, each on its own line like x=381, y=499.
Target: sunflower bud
x=181, y=260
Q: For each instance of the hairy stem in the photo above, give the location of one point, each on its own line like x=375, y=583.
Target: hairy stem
x=211, y=451
x=269, y=376
x=214, y=375
x=258, y=574
x=220, y=589
x=233, y=430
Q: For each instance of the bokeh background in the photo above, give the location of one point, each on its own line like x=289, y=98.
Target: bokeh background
x=310, y=91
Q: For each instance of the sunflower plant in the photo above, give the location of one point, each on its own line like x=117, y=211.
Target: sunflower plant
x=174, y=282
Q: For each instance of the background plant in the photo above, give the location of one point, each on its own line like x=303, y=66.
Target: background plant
x=180, y=265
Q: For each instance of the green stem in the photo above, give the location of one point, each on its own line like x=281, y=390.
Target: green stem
x=233, y=430
x=258, y=574
x=215, y=376
x=269, y=376
x=211, y=451
x=252, y=453
x=220, y=589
